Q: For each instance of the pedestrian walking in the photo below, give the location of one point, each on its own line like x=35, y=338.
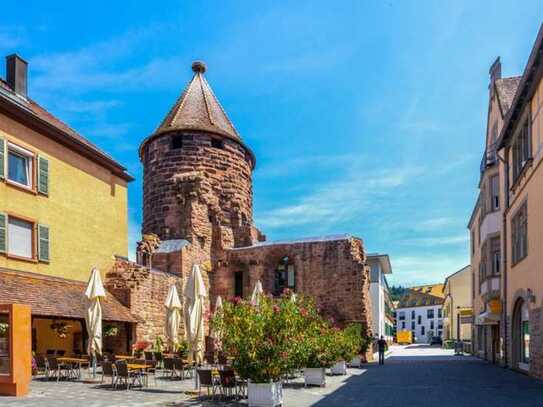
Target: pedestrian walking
x=382, y=346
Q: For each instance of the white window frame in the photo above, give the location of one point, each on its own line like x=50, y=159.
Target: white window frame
x=32, y=224
x=29, y=157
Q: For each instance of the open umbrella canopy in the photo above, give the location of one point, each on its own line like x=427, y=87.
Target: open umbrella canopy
x=257, y=293
x=195, y=293
x=173, y=315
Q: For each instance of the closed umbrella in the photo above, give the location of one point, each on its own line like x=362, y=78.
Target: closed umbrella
x=173, y=316
x=95, y=290
x=195, y=293
x=257, y=293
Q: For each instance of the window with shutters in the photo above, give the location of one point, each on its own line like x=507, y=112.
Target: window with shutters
x=23, y=239
x=20, y=166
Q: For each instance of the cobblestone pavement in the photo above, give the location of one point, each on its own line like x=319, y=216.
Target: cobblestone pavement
x=415, y=375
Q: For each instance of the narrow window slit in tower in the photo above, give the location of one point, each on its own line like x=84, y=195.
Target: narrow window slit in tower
x=177, y=142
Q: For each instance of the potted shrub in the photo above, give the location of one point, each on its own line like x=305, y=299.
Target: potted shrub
x=363, y=342
x=182, y=349
x=265, y=343
x=347, y=343
x=320, y=342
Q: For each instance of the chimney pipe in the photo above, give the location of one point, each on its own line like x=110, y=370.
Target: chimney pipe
x=16, y=74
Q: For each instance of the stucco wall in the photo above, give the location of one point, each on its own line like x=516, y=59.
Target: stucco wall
x=86, y=209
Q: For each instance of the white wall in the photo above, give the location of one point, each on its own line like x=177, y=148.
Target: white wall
x=426, y=322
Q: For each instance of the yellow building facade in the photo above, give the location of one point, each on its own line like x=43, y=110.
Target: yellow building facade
x=63, y=211
x=457, y=306
x=80, y=211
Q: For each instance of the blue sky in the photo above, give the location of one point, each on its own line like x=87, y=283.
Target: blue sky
x=366, y=117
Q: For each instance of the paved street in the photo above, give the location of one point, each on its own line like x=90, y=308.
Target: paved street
x=414, y=375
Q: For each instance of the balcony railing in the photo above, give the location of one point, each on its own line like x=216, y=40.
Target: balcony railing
x=490, y=156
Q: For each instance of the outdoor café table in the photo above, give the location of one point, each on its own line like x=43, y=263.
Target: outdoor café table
x=139, y=367
x=75, y=366
x=124, y=357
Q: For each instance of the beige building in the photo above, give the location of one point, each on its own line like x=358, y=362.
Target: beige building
x=506, y=224
x=457, y=306
x=521, y=144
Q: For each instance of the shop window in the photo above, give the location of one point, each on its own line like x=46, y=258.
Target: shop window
x=4, y=345
x=525, y=334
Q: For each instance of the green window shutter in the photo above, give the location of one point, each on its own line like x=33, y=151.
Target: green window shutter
x=2, y=158
x=3, y=233
x=43, y=243
x=43, y=175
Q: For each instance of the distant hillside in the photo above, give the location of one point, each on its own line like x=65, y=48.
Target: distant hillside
x=397, y=292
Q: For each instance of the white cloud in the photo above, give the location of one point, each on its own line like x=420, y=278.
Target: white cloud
x=339, y=200
x=427, y=269
x=435, y=240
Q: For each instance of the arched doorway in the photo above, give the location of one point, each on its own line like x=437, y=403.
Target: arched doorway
x=521, y=335
x=285, y=276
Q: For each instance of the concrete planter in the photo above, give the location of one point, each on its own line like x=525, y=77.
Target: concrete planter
x=315, y=376
x=265, y=394
x=356, y=362
x=339, y=368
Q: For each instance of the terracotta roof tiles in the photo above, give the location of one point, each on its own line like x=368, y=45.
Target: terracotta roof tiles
x=55, y=297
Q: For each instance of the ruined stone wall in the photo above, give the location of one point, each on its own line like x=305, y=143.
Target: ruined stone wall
x=332, y=272
x=144, y=293
x=190, y=191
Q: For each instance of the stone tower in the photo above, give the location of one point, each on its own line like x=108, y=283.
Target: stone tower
x=197, y=182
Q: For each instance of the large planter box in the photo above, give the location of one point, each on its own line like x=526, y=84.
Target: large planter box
x=339, y=368
x=356, y=362
x=315, y=376
x=265, y=394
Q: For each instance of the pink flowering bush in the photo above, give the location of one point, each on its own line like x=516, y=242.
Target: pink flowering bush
x=266, y=341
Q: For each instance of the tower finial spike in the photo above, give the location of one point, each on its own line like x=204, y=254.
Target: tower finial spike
x=199, y=67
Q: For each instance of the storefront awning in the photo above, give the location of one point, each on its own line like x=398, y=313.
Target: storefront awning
x=55, y=297
x=487, y=318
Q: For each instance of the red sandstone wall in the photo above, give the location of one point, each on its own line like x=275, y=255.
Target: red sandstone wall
x=227, y=171
x=332, y=272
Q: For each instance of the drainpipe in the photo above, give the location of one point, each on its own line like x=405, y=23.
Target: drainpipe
x=504, y=256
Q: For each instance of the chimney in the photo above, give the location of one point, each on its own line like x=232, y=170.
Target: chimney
x=16, y=69
x=495, y=70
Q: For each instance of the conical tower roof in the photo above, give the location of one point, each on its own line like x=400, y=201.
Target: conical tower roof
x=198, y=109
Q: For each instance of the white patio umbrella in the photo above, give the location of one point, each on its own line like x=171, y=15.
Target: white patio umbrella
x=95, y=290
x=257, y=293
x=173, y=316
x=195, y=293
